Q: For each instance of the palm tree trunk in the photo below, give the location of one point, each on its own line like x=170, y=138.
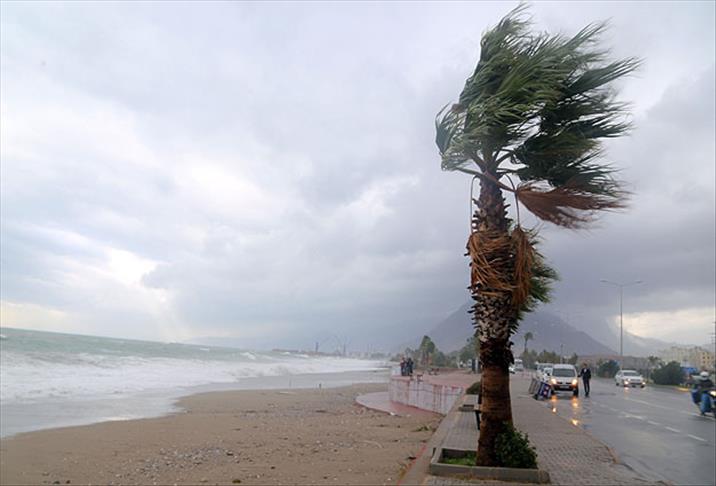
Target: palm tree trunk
x=493, y=316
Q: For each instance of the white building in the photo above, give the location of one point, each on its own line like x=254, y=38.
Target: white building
x=694, y=356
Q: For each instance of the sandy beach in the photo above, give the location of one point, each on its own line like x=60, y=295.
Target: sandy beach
x=316, y=436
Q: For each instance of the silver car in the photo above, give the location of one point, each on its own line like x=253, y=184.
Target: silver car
x=628, y=378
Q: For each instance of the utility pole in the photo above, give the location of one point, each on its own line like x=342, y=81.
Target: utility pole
x=621, y=315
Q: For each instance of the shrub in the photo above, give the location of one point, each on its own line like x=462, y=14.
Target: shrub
x=669, y=374
x=513, y=449
x=473, y=389
x=607, y=369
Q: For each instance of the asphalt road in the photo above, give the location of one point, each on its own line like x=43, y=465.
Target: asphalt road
x=656, y=431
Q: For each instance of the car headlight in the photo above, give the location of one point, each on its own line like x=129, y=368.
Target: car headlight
x=712, y=393
x=553, y=381
x=574, y=382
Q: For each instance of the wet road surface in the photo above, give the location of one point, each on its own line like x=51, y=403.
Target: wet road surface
x=656, y=431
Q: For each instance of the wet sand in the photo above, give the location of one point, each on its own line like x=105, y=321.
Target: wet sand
x=232, y=437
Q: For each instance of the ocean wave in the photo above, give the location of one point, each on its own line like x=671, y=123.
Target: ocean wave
x=32, y=376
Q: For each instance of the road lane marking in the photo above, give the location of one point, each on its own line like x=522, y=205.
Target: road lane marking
x=647, y=403
x=628, y=415
x=653, y=423
x=673, y=430
x=697, y=438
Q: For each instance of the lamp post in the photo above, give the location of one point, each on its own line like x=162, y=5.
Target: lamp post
x=621, y=315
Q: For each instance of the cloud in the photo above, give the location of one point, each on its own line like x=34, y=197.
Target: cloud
x=671, y=324
x=269, y=172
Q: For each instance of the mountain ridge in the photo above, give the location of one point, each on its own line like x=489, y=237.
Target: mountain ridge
x=550, y=332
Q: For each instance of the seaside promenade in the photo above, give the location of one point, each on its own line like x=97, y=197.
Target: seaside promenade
x=567, y=452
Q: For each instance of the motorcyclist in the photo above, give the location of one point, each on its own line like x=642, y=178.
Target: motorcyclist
x=704, y=382
x=702, y=385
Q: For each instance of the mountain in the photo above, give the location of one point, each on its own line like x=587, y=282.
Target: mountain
x=549, y=331
x=607, y=333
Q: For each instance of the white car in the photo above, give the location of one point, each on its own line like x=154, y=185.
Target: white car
x=542, y=371
x=564, y=378
x=629, y=378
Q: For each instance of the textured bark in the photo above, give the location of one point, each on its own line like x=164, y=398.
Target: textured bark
x=495, y=412
x=493, y=315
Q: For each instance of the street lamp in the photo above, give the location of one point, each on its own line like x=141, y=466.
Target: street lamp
x=621, y=315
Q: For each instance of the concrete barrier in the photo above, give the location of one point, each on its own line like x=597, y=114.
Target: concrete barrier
x=423, y=394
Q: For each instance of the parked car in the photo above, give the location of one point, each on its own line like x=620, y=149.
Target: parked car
x=564, y=378
x=519, y=366
x=629, y=378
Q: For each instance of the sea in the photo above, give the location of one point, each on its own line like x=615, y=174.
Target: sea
x=50, y=380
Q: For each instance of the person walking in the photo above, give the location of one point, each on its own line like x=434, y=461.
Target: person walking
x=586, y=375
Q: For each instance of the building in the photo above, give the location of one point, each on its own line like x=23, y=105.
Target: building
x=693, y=356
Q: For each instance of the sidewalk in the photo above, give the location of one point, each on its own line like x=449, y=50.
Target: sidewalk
x=570, y=454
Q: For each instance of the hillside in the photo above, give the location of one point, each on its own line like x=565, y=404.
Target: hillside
x=549, y=332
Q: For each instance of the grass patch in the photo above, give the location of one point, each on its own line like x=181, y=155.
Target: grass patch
x=467, y=460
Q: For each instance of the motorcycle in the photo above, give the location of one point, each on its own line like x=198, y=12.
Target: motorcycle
x=705, y=400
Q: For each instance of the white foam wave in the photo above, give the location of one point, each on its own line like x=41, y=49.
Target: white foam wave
x=25, y=377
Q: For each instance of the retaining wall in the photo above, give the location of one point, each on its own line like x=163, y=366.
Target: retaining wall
x=423, y=394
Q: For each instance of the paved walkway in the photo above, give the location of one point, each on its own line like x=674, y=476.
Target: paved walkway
x=570, y=454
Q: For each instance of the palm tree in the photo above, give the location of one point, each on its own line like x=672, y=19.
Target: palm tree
x=528, y=335
x=529, y=121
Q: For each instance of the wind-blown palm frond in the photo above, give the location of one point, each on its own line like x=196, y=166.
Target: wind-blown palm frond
x=539, y=106
x=568, y=205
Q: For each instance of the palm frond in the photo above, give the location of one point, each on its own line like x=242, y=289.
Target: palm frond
x=544, y=103
x=570, y=205
x=490, y=270
x=524, y=257
x=542, y=276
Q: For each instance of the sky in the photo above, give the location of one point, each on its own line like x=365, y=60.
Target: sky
x=266, y=173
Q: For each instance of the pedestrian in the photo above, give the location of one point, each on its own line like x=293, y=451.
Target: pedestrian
x=410, y=366
x=586, y=375
x=403, y=366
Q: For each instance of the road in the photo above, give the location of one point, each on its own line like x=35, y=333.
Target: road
x=656, y=431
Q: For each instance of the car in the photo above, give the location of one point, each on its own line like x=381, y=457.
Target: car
x=519, y=365
x=512, y=369
x=629, y=378
x=541, y=367
x=564, y=378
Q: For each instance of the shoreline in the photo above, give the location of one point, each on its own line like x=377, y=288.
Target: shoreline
x=277, y=436
x=22, y=417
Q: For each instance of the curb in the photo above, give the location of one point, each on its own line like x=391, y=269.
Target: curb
x=537, y=476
